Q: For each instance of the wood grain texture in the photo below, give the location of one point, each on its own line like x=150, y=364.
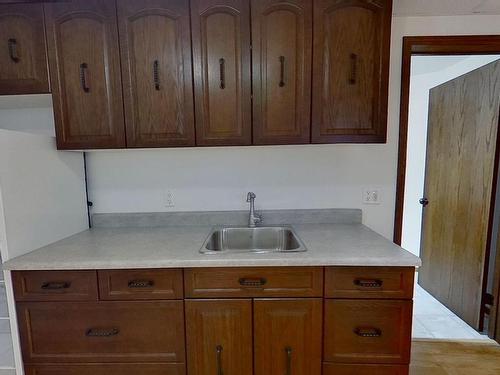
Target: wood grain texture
x=391, y=319
x=350, y=70
x=461, y=148
x=281, y=88
x=107, y=369
x=157, y=32
x=221, y=30
x=219, y=323
x=55, y=332
x=23, y=70
x=144, y=284
x=277, y=282
x=85, y=32
x=293, y=324
x=352, y=369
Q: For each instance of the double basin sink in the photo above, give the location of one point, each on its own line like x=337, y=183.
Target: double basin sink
x=252, y=240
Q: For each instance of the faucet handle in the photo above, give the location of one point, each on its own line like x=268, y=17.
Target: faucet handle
x=251, y=196
x=258, y=218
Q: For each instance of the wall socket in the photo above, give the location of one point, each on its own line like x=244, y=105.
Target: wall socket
x=168, y=199
x=371, y=196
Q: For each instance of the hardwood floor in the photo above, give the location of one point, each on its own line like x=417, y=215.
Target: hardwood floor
x=455, y=358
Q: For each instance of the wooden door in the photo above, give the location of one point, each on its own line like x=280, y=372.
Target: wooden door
x=282, y=53
x=287, y=336
x=23, y=59
x=84, y=60
x=219, y=337
x=350, y=70
x=460, y=174
x=222, y=82
x=156, y=60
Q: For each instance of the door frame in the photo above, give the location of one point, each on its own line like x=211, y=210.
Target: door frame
x=429, y=46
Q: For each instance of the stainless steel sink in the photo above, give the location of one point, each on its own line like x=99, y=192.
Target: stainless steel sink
x=252, y=240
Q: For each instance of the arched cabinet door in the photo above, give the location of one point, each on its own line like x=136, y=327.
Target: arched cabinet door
x=351, y=70
x=222, y=81
x=157, y=72
x=281, y=52
x=23, y=60
x=82, y=38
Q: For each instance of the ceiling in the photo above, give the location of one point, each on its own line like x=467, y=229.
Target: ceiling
x=445, y=7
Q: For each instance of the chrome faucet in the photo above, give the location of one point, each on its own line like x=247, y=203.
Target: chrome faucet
x=253, y=218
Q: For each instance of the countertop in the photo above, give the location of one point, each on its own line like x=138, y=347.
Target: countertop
x=350, y=244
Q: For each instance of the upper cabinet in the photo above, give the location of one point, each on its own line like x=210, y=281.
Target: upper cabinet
x=82, y=37
x=157, y=72
x=23, y=60
x=281, y=52
x=222, y=81
x=350, y=70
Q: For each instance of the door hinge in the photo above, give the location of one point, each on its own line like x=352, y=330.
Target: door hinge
x=489, y=299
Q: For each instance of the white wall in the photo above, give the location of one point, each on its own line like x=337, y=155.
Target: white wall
x=427, y=72
x=27, y=113
x=324, y=176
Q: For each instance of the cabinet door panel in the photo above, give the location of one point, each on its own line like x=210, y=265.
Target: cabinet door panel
x=107, y=369
x=23, y=59
x=288, y=336
x=221, y=52
x=351, y=69
x=282, y=47
x=85, y=74
x=219, y=337
x=156, y=60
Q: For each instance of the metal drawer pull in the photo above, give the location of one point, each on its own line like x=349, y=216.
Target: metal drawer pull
x=354, y=69
x=12, y=45
x=97, y=332
x=367, y=283
x=55, y=285
x=222, y=72
x=368, y=332
x=253, y=282
x=83, y=77
x=141, y=283
x=288, y=351
x=282, y=71
x=156, y=75
x=218, y=349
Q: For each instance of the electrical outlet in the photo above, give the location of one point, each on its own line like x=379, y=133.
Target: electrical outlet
x=371, y=196
x=169, y=199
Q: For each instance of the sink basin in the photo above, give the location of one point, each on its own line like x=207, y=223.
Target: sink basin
x=252, y=240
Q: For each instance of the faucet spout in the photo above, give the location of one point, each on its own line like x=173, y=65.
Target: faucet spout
x=253, y=218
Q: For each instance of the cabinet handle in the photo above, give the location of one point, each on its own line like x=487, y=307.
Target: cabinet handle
x=218, y=350
x=371, y=284
x=83, y=77
x=282, y=71
x=156, y=75
x=354, y=69
x=141, y=283
x=253, y=282
x=222, y=72
x=99, y=332
x=12, y=45
x=288, y=351
x=368, y=332
x=55, y=285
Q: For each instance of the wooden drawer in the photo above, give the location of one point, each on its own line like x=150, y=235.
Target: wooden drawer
x=140, y=284
x=107, y=369
x=101, y=331
x=254, y=282
x=351, y=369
x=55, y=285
x=362, y=331
x=369, y=282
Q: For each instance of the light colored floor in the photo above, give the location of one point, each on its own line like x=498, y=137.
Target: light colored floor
x=432, y=320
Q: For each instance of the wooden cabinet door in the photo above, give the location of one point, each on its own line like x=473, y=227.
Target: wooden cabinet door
x=23, y=60
x=221, y=53
x=281, y=52
x=107, y=369
x=219, y=337
x=351, y=70
x=287, y=337
x=157, y=79
x=84, y=60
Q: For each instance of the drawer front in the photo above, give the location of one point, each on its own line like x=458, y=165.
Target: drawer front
x=254, y=282
x=55, y=285
x=101, y=331
x=369, y=282
x=140, y=284
x=362, y=331
x=351, y=369
x=107, y=369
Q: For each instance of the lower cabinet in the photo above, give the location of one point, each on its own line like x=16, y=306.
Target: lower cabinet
x=107, y=369
x=353, y=369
